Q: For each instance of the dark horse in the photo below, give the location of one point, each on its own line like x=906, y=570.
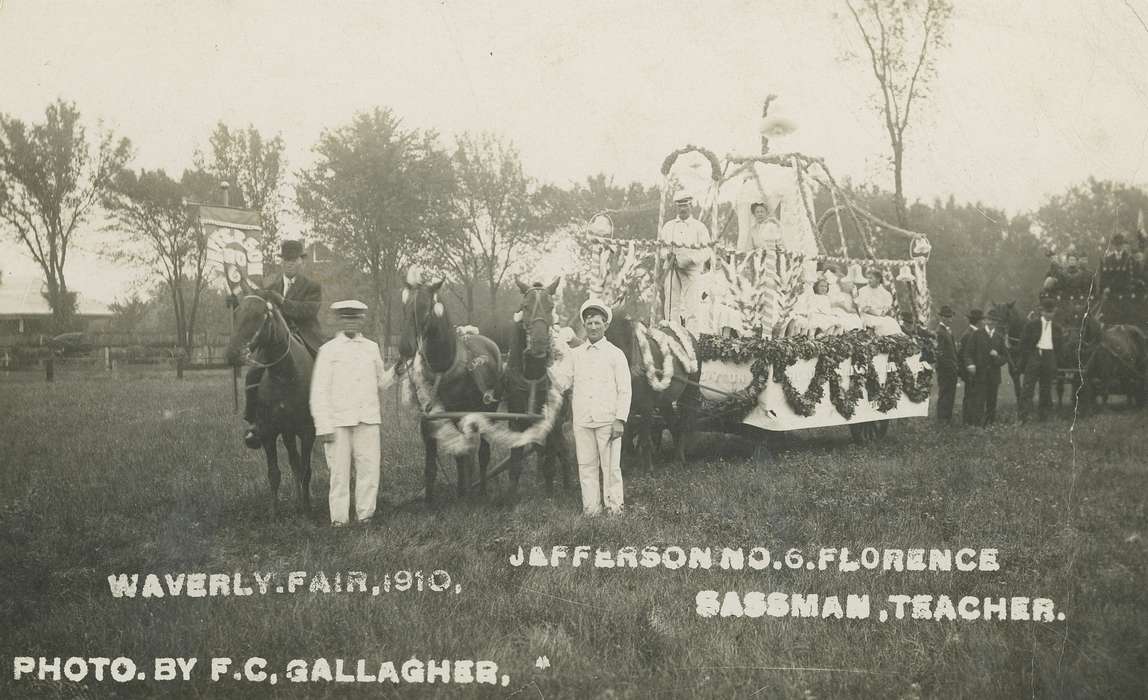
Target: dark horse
x=462, y=374
x=262, y=337
x=1013, y=326
x=526, y=382
x=1117, y=363
x=677, y=405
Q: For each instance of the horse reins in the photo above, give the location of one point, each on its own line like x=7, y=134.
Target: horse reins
x=268, y=313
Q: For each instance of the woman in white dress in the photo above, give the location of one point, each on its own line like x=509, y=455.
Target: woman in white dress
x=764, y=232
x=842, y=306
x=875, y=305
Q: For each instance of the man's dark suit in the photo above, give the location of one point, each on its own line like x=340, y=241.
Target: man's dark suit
x=948, y=369
x=1038, y=366
x=973, y=351
x=991, y=374
x=300, y=307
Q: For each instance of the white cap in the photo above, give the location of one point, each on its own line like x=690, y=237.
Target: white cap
x=349, y=307
x=595, y=304
x=683, y=196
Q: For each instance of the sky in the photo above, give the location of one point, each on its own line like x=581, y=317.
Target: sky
x=1032, y=96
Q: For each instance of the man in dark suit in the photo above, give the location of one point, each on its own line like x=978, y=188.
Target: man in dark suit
x=948, y=368
x=1038, y=347
x=298, y=298
x=997, y=358
x=971, y=353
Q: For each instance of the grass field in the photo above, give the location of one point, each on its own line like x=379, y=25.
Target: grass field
x=105, y=473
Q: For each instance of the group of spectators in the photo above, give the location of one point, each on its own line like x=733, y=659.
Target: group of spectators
x=1122, y=269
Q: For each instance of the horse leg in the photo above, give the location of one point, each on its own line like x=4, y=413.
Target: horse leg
x=296, y=461
x=514, y=466
x=483, y=463
x=462, y=463
x=430, y=466
x=272, y=453
x=307, y=442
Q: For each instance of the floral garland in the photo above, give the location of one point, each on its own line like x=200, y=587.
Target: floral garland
x=859, y=347
x=448, y=436
x=503, y=436
x=659, y=380
x=715, y=164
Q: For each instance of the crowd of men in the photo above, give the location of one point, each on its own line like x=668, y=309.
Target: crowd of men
x=982, y=350
x=1123, y=268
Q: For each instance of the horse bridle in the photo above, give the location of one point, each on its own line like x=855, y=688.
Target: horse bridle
x=534, y=315
x=268, y=314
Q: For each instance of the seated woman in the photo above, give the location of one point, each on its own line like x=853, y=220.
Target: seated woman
x=875, y=305
x=841, y=305
x=819, y=315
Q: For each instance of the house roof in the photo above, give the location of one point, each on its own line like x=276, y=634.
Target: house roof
x=22, y=297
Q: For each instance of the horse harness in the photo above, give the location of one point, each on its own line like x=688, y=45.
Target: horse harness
x=268, y=315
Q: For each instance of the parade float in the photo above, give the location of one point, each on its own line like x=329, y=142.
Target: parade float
x=761, y=366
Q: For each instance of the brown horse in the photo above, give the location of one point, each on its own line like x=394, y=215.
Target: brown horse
x=677, y=405
x=1118, y=364
x=526, y=382
x=262, y=338
x=462, y=374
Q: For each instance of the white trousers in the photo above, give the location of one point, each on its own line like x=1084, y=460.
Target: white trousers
x=599, y=468
x=359, y=443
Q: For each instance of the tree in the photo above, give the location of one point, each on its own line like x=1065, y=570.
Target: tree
x=1087, y=215
x=51, y=178
x=151, y=208
x=374, y=194
x=129, y=313
x=902, y=39
x=254, y=167
x=499, y=215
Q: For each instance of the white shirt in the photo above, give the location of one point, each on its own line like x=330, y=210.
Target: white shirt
x=601, y=379
x=346, y=382
x=1045, y=342
x=875, y=301
x=286, y=285
x=690, y=232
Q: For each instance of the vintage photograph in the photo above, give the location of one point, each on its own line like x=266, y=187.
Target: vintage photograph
x=736, y=349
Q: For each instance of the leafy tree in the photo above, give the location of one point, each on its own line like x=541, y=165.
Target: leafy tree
x=129, y=313
x=254, y=167
x=374, y=195
x=51, y=178
x=499, y=216
x=902, y=39
x=151, y=208
x=1087, y=215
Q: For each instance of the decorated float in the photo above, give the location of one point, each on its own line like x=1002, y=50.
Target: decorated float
x=764, y=362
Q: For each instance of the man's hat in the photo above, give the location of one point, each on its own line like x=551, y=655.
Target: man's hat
x=683, y=197
x=946, y=311
x=753, y=207
x=976, y=316
x=595, y=304
x=349, y=308
x=1048, y=304
x=289, y=250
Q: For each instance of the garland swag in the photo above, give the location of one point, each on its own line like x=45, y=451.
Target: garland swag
x=858, y=347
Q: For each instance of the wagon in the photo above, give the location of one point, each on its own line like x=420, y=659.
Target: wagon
x=756, y=375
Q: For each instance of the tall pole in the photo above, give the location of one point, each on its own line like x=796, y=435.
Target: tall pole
x=232, y=303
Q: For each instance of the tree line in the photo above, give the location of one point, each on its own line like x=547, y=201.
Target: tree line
x=383, y=196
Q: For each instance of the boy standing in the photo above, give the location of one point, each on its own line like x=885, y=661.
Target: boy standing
x=601, y=379
x=345, y=389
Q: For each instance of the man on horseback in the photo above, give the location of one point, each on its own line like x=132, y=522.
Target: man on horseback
x=298, y=298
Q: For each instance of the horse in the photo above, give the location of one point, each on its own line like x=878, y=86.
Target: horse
x=461, y=373
x=677, y=404
x=1013, y=326
x=526, y=381
x=1118, y=363
x=283, y=408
